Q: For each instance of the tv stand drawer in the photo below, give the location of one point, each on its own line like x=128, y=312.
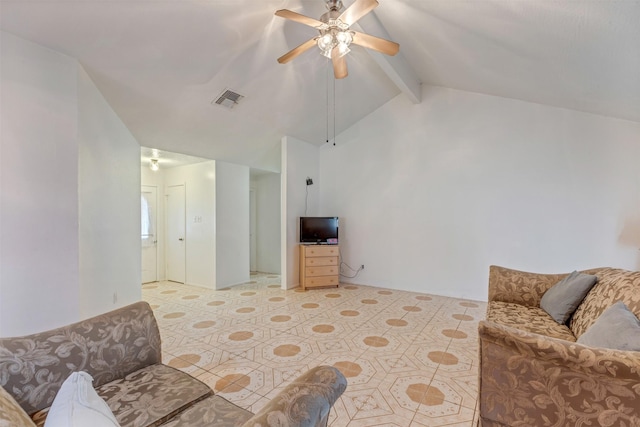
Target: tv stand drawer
x=320, y=250
x=321, y=271
x=321, y=261
x=322, y=281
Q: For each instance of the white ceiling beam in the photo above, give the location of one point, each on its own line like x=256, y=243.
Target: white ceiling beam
x=396, y=67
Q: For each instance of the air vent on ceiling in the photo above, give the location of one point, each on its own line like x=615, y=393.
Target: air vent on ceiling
x=228, y=99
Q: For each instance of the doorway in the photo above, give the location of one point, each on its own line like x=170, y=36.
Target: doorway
x=264, y=218
x=253, y=249
x=175, y=233
x=149, y=236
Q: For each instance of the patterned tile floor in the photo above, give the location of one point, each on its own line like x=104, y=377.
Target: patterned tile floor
x=410, y=359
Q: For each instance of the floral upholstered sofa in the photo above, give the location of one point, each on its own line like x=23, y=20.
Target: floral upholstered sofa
x=532, y=370
x=120, y=350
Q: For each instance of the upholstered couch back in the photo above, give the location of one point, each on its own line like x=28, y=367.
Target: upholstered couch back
x=613, y=285
x=109, y=346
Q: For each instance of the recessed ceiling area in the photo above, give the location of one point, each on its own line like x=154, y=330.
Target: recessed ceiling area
x=167, y=159
x=160, y=64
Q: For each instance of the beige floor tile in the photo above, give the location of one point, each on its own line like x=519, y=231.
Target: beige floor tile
x=257, y=406
x=394, y=363
x=410, y=359
x=339, y=417
x=173, y=343
x=238, y=337
x=283, y=350
x=242, y=398
x=232, y=366
x=330, y=346
x=445, y=414
x=369, y=404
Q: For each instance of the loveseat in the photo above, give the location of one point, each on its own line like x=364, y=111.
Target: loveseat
x=121, y=350
x=534, y=373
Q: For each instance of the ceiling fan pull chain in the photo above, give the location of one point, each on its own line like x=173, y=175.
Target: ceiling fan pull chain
x=334, y=112
x=327, y=76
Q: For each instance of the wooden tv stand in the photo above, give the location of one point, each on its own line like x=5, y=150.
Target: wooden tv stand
x=319, y=266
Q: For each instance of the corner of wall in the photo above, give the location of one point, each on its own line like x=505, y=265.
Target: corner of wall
x=300, y=160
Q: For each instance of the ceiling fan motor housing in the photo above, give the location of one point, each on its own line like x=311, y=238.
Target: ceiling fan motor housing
x=334, y=5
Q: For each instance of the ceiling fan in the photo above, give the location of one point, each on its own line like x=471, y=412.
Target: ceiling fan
x=335, y=36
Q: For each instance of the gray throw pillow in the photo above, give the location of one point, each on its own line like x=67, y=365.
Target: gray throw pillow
x=617, y=328
x=562, y=299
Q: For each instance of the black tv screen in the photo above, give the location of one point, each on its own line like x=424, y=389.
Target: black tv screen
x=317, y=229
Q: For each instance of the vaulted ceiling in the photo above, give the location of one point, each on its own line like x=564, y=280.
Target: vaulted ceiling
x=160, y=64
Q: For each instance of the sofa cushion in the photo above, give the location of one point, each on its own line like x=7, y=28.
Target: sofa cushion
x=212, y=411
x=12, y=414
x=525, y=318
x=616, y=328
x=108, y=346
x=152, y=395
x=564, y=297
x=613, y=285
x=78, y=405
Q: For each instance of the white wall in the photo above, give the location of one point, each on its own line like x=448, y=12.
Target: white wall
x=268, y=222
x=39, y=182
x=232, y=224
x=109, y=205
x=299, y=161
x=430, y=195
x=200, y=194
x=47, y=153
x=269, y=159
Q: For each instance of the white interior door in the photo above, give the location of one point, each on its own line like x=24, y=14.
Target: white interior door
x=175, y=232
x=252, y=231
x=149, y=233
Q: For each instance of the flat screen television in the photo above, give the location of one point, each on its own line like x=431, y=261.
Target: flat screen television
x=319, y=229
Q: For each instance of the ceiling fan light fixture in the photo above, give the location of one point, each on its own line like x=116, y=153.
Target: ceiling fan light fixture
x=325, y=43
x=332, y=38
x=343, y=49
x=344, y=37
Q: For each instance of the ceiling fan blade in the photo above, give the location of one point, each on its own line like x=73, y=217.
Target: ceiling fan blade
x=357, y=10
x=376, y=43
x=294, y=16
x=339, y=64
x=297, y=51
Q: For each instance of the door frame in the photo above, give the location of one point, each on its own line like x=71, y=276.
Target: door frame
x=167, y=234
x=156, y=230
x=253, y=230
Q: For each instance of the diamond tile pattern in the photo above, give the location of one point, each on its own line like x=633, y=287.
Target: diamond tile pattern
x=410, y=359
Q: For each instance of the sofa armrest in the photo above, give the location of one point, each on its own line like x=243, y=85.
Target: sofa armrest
x=530, y=379
x=11, y=413
x=304, y=402
x=108, y=347
x=519, y=287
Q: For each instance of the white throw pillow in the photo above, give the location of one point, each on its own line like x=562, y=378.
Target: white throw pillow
x=78, y=405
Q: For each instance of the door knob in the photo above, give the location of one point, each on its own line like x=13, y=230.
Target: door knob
x=181, y=239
